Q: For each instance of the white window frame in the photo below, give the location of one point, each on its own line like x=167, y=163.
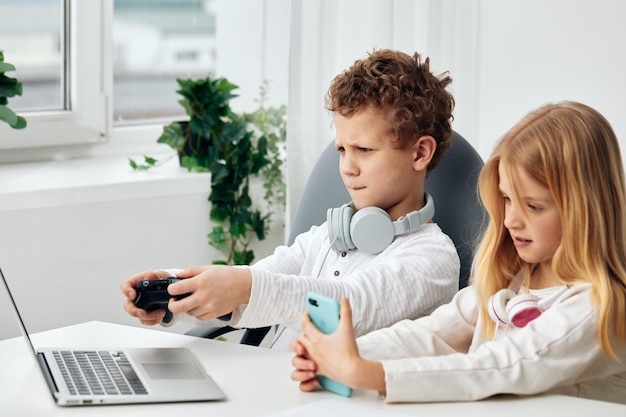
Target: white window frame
x=84, y=123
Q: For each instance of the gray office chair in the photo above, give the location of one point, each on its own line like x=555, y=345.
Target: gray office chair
x=452, y=185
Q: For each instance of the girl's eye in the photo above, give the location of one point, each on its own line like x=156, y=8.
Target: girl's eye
x=533, y=207
x=506, y=199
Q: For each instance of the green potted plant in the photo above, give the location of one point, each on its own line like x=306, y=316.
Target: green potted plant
x=9, y=87
x=235, y=149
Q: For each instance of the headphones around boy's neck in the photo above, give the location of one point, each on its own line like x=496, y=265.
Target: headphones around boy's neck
x=371, y=229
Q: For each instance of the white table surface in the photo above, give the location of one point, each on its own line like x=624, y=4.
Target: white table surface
x=255, y=380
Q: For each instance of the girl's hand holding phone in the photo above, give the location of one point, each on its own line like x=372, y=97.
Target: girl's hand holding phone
x=324, y=314
x=335, y=356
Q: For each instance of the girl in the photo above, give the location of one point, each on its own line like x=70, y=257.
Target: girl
x=546, y=311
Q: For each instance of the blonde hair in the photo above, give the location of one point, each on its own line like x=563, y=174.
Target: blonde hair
x=572, y=150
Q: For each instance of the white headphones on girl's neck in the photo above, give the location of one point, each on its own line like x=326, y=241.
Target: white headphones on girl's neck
x=370, y=229
x=506, y=307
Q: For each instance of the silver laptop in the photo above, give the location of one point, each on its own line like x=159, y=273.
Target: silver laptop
x=120, y=376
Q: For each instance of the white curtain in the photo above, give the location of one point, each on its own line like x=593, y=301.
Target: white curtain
x=327, y=36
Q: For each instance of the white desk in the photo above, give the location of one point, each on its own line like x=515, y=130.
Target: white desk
x=256, y=382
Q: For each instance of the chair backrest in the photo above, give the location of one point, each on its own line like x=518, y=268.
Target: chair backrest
x=452, y=184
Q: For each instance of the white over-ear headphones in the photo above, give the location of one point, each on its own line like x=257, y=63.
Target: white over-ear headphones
x=370, y=229
x=506, y=307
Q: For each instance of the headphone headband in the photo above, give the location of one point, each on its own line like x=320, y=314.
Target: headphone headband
x=416, y=218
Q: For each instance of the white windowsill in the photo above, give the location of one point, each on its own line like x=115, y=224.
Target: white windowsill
x=92, y=180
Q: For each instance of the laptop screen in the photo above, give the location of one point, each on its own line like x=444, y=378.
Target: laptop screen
x=11, y=327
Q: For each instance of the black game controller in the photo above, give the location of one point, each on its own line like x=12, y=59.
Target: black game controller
x=152, y=295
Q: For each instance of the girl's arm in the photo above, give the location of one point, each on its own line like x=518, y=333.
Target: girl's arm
x=558, y=351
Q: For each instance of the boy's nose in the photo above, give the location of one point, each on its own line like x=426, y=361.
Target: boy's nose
x=347, y=165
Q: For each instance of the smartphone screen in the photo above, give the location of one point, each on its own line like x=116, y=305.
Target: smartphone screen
x=324, y=314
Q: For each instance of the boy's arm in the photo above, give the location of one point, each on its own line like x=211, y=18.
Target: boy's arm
x=415, y=275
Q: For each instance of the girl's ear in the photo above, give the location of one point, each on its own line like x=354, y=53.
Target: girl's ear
x=424, y=149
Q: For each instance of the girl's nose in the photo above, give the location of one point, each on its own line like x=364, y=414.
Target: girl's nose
x=512, y=217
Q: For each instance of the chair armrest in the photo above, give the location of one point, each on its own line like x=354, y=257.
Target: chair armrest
x=252, y=337
x=210, y=332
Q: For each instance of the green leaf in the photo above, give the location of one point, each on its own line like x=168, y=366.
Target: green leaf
x=259, y=225
x=219, y=214
x=9, y=87
x=218, y=172
x=244, y=200
x=238, y=230
x=138, y=167
x=20, y=124
x=217, y=237
x=173, y=136
x=5, y=67
x=192, y=164
x=244, y=257
x=149, y=160
x=7, y=115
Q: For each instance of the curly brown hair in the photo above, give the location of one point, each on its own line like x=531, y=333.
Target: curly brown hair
x=402, y=85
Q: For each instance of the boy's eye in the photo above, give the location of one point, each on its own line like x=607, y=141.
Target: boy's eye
x=341, y=149
x=364, y=149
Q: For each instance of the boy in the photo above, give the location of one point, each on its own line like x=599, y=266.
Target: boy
x=392, y=118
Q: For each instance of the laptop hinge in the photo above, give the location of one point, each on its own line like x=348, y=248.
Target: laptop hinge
x=43, y=364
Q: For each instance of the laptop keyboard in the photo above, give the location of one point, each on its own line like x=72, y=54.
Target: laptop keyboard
x=98, y=372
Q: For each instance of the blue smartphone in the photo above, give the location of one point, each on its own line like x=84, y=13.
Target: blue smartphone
x=324, y=313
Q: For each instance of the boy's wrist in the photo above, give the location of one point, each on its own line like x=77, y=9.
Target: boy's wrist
x=244, y=285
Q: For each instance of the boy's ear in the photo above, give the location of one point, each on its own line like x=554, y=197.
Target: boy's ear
x=424, y=150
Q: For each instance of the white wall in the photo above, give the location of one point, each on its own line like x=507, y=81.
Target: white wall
x=506, y=57
x=536, y=51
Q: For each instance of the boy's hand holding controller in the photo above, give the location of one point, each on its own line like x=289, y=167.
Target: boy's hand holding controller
x=152, y=294
x=128, y=288
x=217, y=290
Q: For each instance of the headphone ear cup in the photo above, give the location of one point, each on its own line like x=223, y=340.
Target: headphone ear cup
x=371, y=230
x=496, y=305
x=523, y=309
x=339, y=227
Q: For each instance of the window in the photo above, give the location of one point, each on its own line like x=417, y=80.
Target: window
x=154, y=42
x=34, y=42
x=100, y=74
x=61, y=71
